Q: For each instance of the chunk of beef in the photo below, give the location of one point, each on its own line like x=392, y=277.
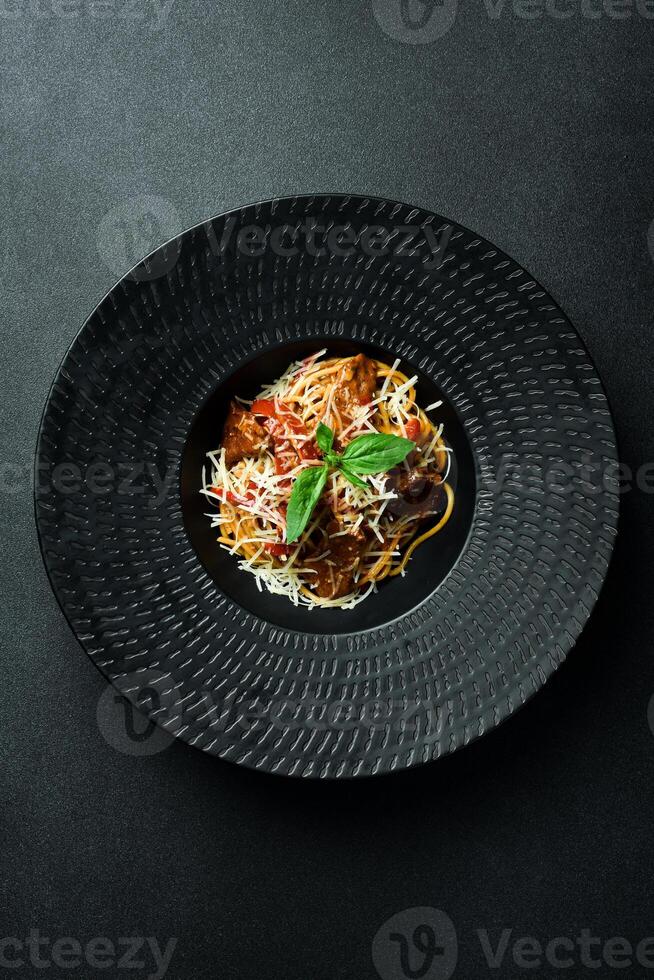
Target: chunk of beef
x=356, y=386
x=242, y=435
x=334, y=573
x=418, y=495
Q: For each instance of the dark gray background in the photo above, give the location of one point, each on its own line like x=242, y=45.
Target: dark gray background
x=536, y=133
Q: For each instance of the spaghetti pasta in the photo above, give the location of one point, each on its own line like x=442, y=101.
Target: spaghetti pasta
x=363, y=530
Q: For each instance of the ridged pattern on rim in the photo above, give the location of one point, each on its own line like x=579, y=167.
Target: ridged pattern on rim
x=143, y=606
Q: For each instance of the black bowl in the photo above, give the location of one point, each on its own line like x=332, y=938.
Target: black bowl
x=488, y=608
x=397, y=596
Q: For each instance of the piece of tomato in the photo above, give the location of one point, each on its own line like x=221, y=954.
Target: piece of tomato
x=290, y=419
x=231, y=498
x=264, y=407
x=413, y=429
x=309, y=450
x=277, y=549
x=283, y=464
x=278, y=410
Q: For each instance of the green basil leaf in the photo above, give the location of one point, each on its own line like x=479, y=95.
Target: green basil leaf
x=376, y=453
x=352, y=478
x=304, y=497
x=324, y=437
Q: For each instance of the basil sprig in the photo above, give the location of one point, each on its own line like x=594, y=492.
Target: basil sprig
x=304, y=497
x=373, y=453
x=376, y=453
x=324, y=438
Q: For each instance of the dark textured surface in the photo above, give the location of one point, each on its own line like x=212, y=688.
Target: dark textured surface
x=536, y=134
x=467, y=656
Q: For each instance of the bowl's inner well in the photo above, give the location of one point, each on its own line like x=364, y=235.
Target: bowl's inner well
x=428, y=566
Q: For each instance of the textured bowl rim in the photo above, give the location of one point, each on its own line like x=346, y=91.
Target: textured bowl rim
x=182, y=235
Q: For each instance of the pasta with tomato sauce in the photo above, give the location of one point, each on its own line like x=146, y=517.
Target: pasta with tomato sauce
x=363, y=529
